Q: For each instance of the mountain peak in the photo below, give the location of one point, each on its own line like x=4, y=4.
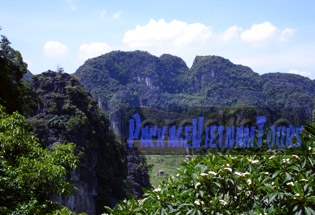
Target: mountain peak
x=167, y=81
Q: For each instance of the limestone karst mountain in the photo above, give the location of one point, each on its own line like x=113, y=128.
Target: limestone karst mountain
x=68, y=113
x=166, y=81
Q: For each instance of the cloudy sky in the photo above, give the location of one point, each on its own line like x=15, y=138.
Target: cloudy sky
x=268, y=36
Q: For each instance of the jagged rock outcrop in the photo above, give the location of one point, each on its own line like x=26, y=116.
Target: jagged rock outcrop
x=68, y=113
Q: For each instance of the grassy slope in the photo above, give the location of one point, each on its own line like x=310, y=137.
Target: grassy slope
x=168, y=163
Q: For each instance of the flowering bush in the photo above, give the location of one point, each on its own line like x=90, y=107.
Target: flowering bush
x=277, y=182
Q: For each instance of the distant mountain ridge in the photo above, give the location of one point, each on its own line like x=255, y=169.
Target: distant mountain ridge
x=138, y=78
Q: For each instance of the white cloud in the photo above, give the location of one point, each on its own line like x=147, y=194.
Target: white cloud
x=258, y=34
x=55, y=49
x=300, y=72
x=101, y=13
x=286, y=34
x=230, y=33
x=160, y=32
x=93, y=50
x=116, y=15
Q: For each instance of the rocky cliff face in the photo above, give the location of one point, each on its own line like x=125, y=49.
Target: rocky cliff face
x=68, y=113
x=137, y=172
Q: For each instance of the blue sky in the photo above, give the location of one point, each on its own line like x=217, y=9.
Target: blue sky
x=268, y=36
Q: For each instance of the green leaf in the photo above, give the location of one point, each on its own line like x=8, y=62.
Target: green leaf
x=298, y=187
x=309, y=211
x=288, y=177
x=294, y=167
x=276, y=173
x=272, y=196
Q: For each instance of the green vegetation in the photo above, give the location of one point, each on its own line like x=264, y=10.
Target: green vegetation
x=59, y=108
x=15, y=93
x=166, y=81
x=167, y=163
x=273, y=183
x=31, y=175
x=69, y=114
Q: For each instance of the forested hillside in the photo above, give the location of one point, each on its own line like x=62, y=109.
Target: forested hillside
x=141, y=79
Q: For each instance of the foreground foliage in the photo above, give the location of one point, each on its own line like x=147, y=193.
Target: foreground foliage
x=30, y=174
x=273, y=183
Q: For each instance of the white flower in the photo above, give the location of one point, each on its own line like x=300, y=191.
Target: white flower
x=212, y=173
x=266, y=173
x=228, y=169
x=304, y=180
x=309, y=148
x=290, y=183
x=227, y=164
x=246, y=173
x=253, y=161
x=223, y=202
x=272, y=157
x=197, y=202
x=295, y=156
x=297, y=194
x=157, y=190
x=197, y=184
x=249, y=181
x=203, y=174
x=285, y=160
x=238, y=173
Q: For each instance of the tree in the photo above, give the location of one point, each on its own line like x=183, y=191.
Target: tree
x=15, y=93
x=30, y=175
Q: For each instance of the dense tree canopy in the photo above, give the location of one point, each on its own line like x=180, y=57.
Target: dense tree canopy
x=29, y=174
